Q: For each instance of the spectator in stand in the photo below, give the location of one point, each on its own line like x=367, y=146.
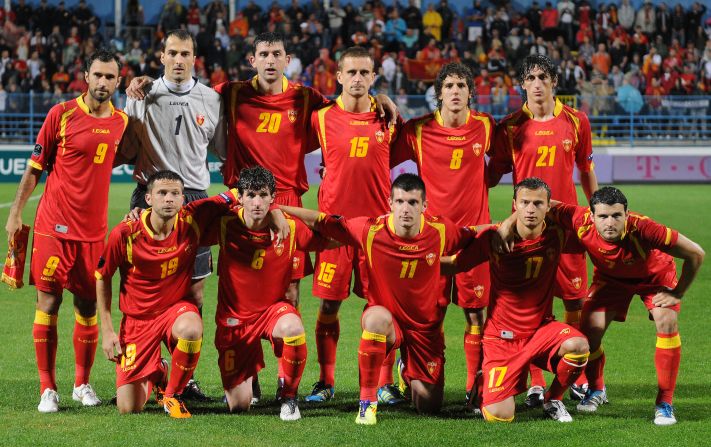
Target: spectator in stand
x=549, y=22
x=646, y=19
x=626, y=15
x=601, y=60
x=447, y=19
x=78, y=85
x=566, y=16
x=663, y=22
x=82, y=17
x=430, y=52
x=432, y=22
x=61, y=78
x=194, y=17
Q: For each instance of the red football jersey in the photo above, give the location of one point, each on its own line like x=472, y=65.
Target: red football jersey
x=522, y=282
x=78, y=151
x=157, y=274
x=403, y=274
x=451, y=163
x=269, y=130
x=547, y=150
x=356, y=152
x=638, y=256
x=253, y=272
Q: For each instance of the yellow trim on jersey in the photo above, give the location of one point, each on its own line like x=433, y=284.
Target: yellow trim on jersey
x=189, y=346
x=556, y=110
x=35, y=165
x=63, y=128
x=296, y=340
x=326, y=318
x=98, y=276
x=638, y=246
x=85, y=321
x=233, y=103
x=321, y=217
x=306, y=115
x=669, y=342
x=391, y=223
x=597, y=354
x=322, y=126
x=240, y=214
x=418, y=139
x=472, y=329
x=367, y=335
x=340, y=104
x=438, y=118
x=487, y=129
x=442, y=234
x=667, y=240
x=144, y=220
x=189, y=219
x=292, y=236
x=369, y=241
x=488, y=417
x=45, y=319
x=284, y=83
x=82, y=105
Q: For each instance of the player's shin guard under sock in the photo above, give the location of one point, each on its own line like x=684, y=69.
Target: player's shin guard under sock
x=184, y=360
x=568, y=369
x=386, y=371
x=371, y=355
x=86, y=338
x=472, y=353
x=595, y=369
x=537, y=378
x=572, y=318
x=666, y=360
x=293, y=361
x=328, y=330
x=44, y=333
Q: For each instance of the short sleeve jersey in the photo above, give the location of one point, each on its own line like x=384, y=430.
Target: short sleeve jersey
x=639, y=255
x=254, y=272
x=522, y=281
x=77, y=150
x=157, y=274
x=403, y=274
x=452, y=164
x=548, y=150
x=272, y=131
x=356, y=152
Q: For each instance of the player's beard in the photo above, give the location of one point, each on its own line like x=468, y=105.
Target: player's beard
x=95, y=94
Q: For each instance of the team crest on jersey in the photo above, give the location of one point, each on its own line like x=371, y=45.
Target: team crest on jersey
x=550, y=253
x=380, y=136
x=431, y=367
x=279, y=249
x=430, y=258
x=477, y=148
x=200, y=119
x=292, y=114
x=295, y=263
x=479, y=291
x=567, y=145
x=565, y=331
x=577, y=282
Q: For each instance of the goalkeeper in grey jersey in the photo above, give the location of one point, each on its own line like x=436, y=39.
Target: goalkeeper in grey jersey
x=172, y=129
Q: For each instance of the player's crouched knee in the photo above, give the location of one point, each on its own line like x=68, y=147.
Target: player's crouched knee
x=576, y=345
x=240, y=405
x=128, y=407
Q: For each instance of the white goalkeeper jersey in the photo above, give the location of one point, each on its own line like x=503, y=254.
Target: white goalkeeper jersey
x=173, y=128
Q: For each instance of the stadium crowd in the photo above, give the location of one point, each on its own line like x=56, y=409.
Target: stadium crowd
x=659, y=50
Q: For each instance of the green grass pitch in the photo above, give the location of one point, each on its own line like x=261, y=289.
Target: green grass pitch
x=630, y=375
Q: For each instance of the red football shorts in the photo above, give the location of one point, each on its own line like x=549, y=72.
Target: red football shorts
x=63, y=264
x=506, y=362
x=471, y=288
x=302, y=261
x=141, y=339
x=572, y=277
x=608, y=295
x=422, y=352
x=334, y=268
x=240, y=347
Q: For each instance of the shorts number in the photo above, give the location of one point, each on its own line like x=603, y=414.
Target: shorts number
x=100, y=153
x=178, y=122
x=456, y=161
x=408, y=266
x=50, y=266
x=496, y=382
x=129, y=356
x=326, y=272
x=258, y=259
x=229, y=360
x=533, y=266
x=359, y=147
x=270, y=122
x=545, y=152
x=168, y=267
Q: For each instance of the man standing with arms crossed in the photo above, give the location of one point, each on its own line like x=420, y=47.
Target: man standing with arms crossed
x=172, y=128
x=546, y=139
x=355, y=146
x=76, y=145
x=449, y=147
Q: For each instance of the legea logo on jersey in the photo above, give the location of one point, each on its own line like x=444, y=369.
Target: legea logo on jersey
x=567, y=145
x=380, y=136
x=200, y=119
x=544, y=133
x=430, y=258
x=477, y=148
x=292, y=115
x=103, y=131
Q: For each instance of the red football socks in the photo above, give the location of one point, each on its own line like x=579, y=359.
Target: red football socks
x=328, y=329
x=293, y=361
x=184, y=360
x=44, y=333
x=568, y=369
x=86, y=338
x=472, y=353
x=371, y=355
x=666, y=360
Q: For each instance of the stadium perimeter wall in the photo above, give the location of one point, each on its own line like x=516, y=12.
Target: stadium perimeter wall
x=612, y=165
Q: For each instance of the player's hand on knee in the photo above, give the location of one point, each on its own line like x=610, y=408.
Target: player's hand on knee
x=665, y=298
x=111, y=345
x=133, y=215
x=138, y=86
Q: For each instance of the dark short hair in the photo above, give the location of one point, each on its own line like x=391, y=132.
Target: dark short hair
x=163, y=175
x=409, y=182
x=536, y=60
x=454, y=69
x=179, y=34
x=269, y=38
x=255, y=179
x=607, y=195
x=532, y=183
x=354, y=52
x=102, y=55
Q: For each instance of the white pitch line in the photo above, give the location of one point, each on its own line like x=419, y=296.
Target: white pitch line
x=9, y=204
